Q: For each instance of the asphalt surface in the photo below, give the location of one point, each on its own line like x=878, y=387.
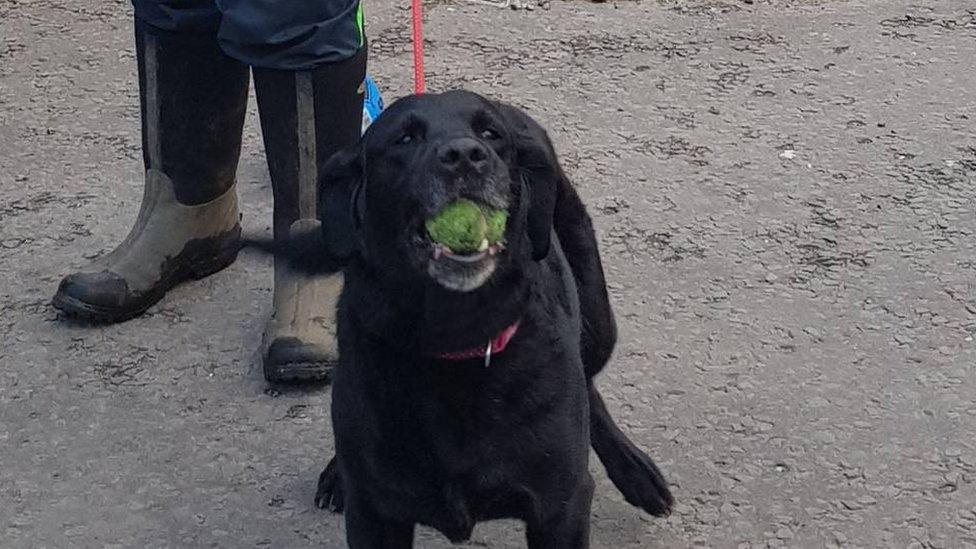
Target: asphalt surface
x=784, y=193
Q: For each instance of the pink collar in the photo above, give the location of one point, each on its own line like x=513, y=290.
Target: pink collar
x=494, y=346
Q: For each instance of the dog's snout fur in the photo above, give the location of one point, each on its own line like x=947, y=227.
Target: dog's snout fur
x=466, y=167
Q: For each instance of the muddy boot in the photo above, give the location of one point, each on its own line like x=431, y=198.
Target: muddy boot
x=193, y=101
x=306, y=116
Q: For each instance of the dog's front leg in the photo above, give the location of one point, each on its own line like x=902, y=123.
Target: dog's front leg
x=366, y=529
x=567, y=525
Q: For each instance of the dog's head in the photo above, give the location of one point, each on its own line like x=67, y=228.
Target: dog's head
x=423, y=153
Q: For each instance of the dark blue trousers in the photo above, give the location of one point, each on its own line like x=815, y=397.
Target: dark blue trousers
x=273, y=34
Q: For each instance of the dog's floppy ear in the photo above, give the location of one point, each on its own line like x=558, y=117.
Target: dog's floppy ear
x=537, y=165
x=341, y=203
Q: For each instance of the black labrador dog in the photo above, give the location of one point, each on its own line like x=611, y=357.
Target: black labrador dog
x=464, y=390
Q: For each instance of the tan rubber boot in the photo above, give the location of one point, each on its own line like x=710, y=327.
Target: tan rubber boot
x=300, y=339
x=193, y=101
x=170, y=243
x=306, y=116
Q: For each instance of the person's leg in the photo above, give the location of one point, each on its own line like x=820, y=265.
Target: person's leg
x=309, y=65
x=193, y=100
x=293, y=36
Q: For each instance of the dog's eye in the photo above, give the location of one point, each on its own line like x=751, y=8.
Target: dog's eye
x=489, y=134
x=405, y=139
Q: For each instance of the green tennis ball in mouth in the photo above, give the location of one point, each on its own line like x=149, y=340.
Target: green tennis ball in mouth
x=497, y=221
x=464, y=227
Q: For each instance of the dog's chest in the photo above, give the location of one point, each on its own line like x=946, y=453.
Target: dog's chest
x=460, y=503
x=467, y=443
x=455, y=488
x=450, y=443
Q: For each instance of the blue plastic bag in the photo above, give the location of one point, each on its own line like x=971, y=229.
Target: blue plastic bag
x=372, y=102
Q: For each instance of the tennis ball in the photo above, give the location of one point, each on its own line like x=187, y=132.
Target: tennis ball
x=464, y=227
x=497, y=221
x=460, y=226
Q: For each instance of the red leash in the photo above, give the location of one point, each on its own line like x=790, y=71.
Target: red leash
x=418, y=47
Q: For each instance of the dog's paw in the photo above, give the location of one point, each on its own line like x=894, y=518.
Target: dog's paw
x=329, y=494
x=641, y=482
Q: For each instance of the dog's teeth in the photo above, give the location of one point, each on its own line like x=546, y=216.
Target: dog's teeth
x=437, y=252
x=484, y=245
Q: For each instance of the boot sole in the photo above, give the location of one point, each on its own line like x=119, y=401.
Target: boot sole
x=298, y=372
x=197, y=269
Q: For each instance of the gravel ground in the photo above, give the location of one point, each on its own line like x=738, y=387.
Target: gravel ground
x=784, y=193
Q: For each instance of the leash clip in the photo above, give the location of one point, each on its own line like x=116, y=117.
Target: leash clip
x=488, y=354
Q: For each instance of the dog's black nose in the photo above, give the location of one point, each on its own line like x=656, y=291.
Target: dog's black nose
x=463, y=153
